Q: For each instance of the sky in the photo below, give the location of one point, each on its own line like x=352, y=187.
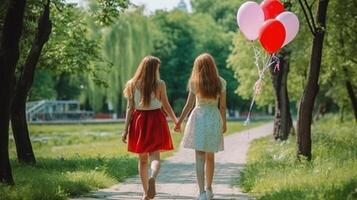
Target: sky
x=150, y=5
x=153, y=5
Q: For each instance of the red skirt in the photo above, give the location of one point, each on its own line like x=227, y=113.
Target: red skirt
x=149, y=132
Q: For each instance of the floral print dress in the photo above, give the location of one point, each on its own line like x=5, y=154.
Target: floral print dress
x=203, y=131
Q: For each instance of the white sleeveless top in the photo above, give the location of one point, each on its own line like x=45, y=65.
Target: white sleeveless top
x=154, y=103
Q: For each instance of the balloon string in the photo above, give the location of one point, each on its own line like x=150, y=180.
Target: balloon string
x=247, y=121
x=257, y=55
x=258, y=85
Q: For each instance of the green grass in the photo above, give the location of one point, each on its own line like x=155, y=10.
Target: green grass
x=235, y=126
x=273, y=171
x=76, y=159
x=58, y=178
x=70, y=128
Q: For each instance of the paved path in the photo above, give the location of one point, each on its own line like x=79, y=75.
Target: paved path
x=177, y=176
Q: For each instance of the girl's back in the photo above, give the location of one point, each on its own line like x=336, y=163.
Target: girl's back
x=155, y=103
x=204, y=127
x=201, y=101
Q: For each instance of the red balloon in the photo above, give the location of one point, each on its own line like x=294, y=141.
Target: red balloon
x=272, y=35
x=271, y=8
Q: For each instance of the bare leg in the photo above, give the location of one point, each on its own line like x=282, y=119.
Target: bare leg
x=200, y=170
x=155, y=163
x=209, y=169
x=143, y=171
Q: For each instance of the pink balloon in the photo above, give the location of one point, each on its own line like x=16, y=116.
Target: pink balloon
x=250, y=17
x=291, y=25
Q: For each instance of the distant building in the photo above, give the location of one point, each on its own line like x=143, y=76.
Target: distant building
x=182, y=6
x=52, y=110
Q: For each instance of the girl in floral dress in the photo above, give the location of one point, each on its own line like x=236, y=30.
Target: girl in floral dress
x=207, y=122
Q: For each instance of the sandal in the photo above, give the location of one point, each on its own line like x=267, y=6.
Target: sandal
x=151, y=190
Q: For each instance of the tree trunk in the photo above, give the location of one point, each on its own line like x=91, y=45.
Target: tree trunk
x=20, y=131
x=311, y=89
x=342, y=111
x=9, y=56
x=352, y=96
x=350, y=91
x=283, y=125
x=323, y=107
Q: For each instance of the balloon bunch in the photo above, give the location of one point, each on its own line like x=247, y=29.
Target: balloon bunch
x=274, y=27
x=269, y=22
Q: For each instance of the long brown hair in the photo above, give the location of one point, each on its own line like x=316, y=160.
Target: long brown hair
x=146, y=79
x=204, y=79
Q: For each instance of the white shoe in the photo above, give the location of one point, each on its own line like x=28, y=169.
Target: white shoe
x=202, y=196
x=209, y=194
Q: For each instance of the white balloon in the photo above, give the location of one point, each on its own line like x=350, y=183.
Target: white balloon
x=291, y=25
x=250, y=17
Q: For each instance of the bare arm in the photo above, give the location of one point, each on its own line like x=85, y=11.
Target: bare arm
x=165, y=103
x=222, y=110
x=129, y=112
x=188, y=107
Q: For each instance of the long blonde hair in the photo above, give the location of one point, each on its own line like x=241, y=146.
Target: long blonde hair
x=204, y=79
x=146, y=78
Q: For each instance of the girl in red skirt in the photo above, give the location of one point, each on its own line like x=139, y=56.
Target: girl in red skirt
x=145, y=126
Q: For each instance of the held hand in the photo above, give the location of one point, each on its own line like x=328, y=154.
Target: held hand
x=124, y=137
x=177, y=127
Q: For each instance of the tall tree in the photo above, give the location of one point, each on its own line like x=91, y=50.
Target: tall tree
x=9, y=55
x=65, y=59
x=311, y=89
x=125, y=43
x=20, y=131
x=283, y=124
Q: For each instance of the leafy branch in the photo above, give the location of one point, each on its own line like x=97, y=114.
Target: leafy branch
x=307, y=10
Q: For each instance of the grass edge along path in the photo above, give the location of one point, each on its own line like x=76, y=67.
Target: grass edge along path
x=273, y=172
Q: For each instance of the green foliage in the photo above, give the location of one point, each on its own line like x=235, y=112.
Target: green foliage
x=125, y=43
x=67, y=54
x=106, y=47
x=340, y=61
x=68, y=86
x=74, y=50
x=70, y=49
x=273, y=171
x=105, y=12
x=174, y=44
x=223, y=12
x=38, y=92
x=242, y=60
x=202, y=34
